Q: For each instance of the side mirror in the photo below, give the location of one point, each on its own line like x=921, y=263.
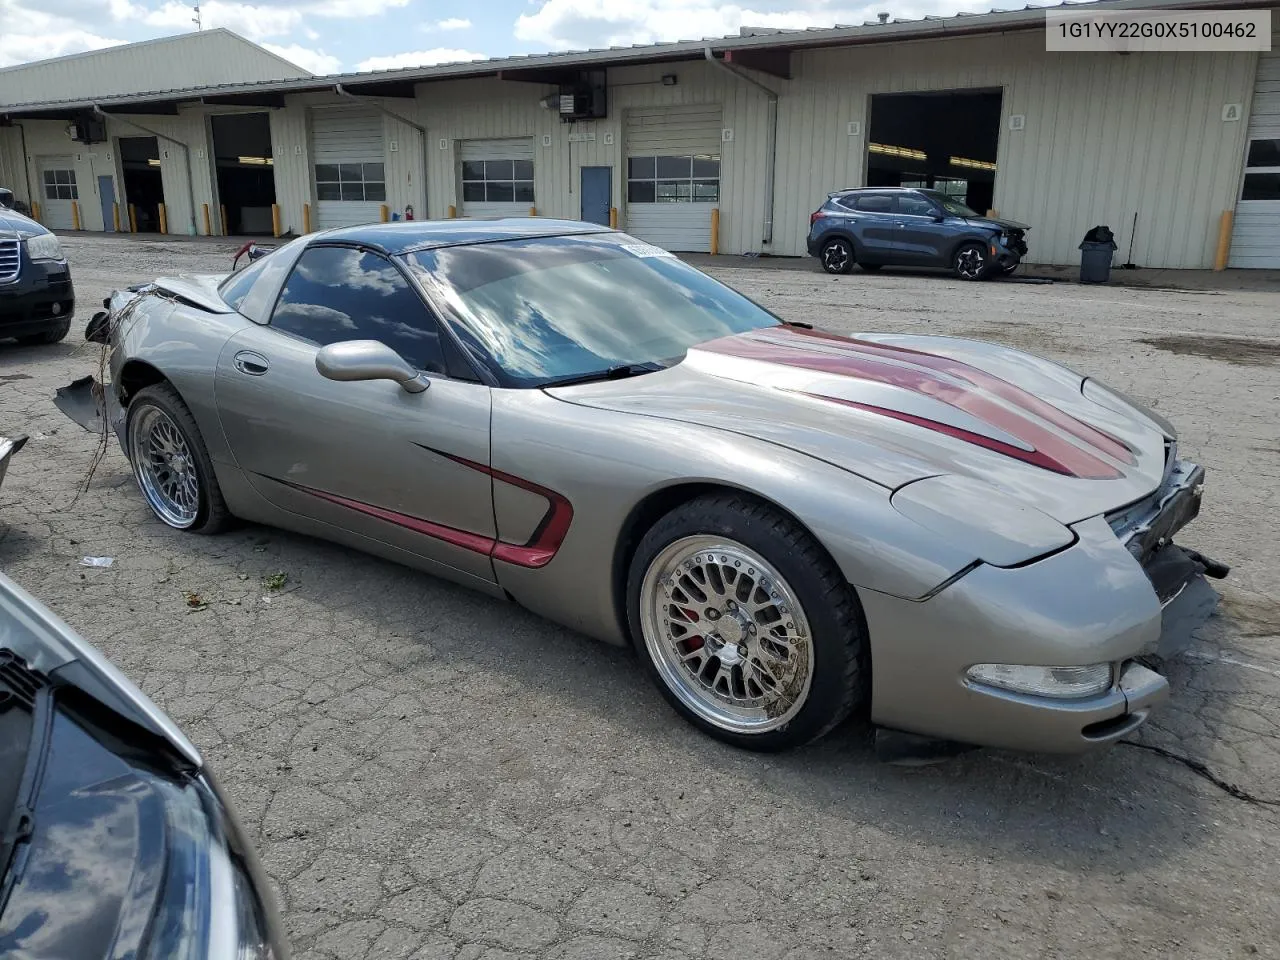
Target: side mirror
x=939, y=216
x=368, y=360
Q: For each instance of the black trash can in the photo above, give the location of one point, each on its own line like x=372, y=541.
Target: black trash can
x=1096, y=250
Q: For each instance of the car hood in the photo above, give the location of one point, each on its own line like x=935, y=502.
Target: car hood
x=11, y=221
x=200, y=289
x=996, y=223
x=898, y=408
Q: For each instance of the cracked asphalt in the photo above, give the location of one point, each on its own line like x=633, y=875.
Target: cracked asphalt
x=432, y=774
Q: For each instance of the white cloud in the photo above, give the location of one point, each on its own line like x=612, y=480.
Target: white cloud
x=561, y=24
x=247, y=19
x=18, y=48
x=351, y=8
x=454, y=23
x=420, y=58
x=317, y=61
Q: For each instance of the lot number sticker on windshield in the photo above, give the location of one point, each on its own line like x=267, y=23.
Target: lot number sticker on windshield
x=646, y=250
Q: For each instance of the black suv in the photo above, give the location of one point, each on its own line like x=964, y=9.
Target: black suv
x=902, y=226
x=36, y=296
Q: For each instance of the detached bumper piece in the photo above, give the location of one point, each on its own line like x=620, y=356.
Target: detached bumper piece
x=84, y=402
x=8, y=447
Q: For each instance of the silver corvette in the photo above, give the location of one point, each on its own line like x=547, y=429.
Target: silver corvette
x=957, y=540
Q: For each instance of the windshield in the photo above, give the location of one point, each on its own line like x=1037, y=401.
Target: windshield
x=954, y=207
x=551, y=308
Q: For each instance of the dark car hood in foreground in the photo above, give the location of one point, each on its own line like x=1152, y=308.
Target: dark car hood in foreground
x=11, y=221
x=897, y=408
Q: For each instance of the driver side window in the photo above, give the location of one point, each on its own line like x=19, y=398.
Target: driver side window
x=915, y=206
x=339, y=293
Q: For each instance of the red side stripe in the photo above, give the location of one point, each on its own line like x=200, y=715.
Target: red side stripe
x=538, y=552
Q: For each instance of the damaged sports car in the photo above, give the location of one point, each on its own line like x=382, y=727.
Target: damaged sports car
x=955, y=539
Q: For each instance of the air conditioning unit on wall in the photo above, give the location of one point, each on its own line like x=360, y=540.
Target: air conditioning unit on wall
x=88, y=130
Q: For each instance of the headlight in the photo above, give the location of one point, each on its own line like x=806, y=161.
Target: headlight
x=975, y=516
x=215, y=904
x=1061, y=683
x=1113, y=399
x=44, y=247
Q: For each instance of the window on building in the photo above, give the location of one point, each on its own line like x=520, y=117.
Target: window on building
x=60, y=185
x=350, y=181
x=693, y=179
x=337, y=293
x=1262, y=171
x=497, y=181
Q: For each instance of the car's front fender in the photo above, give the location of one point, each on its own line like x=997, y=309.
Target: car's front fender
x=605, y=463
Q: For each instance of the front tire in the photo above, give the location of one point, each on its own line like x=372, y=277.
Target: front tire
x=54, y=334
x=746, y=625
x=171, y=464
x=837, y=256
x=971, y=261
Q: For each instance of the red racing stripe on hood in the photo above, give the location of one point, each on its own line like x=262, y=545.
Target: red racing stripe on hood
x=981, y=378
x=1049, y=450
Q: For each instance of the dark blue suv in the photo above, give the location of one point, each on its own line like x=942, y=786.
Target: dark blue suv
x=903, y=226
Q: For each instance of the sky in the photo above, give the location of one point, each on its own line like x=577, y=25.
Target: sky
x=332, y=36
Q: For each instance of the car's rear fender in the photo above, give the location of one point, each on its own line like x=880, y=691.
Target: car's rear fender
x=608, y=464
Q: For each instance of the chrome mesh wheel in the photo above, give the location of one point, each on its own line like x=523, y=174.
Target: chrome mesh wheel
x=727, y=634
x=164, y=467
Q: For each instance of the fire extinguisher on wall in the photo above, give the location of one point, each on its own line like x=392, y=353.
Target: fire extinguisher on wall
x=408, y=212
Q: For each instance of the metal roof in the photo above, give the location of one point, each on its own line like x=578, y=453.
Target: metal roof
x=532, y=67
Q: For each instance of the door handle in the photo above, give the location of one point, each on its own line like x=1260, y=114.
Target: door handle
x=254, y=364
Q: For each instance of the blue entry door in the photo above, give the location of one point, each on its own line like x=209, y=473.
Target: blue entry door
x=107, y=194
x=597, y=191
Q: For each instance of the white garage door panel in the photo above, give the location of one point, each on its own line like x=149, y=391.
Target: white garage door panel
x=56, y=197
x=508, y=148
x=673, y=131
x=346, y=136
x=1255, y=235
x=683, y=227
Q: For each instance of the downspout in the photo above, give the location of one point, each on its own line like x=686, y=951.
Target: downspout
x=771, y=137
x=374, y=102
x=186, y=152
x=26, y=167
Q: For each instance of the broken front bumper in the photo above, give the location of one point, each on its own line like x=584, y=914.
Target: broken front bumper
x=92, y=405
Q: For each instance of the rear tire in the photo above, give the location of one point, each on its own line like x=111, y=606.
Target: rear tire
x=768, y=650
x=971, y=262
x=171, y=464
x=54, y=334
x=837, y=256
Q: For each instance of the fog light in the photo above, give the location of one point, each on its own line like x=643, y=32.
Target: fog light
x=57, y=309
x=1062, y=683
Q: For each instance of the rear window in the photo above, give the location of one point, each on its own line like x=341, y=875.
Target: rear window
x=873, y=203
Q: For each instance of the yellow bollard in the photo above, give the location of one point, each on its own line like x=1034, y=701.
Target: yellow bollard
x=453, y=212
x=223, y=212
x=993, y=213
x=533, y=211
x=75, y=215
x=35, y=211
x=133, y=219
x=1224, y=240
x=306, y=218
x=275, y=219
x=384, y=213
x=164, y=219
x=115, y=216
x=613, y=217
x=715, y=230
x=208, y=229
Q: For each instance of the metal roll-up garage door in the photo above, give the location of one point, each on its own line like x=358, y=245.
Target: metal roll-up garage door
x=497, y=177
x=1255, y=236
x=347, y=157
x=673, y=175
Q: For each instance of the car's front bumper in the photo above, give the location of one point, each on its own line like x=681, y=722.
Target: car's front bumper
x=42, y=296
x=1091, y=603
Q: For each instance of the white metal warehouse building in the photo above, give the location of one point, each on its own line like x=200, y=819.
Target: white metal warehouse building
x=748, y=132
